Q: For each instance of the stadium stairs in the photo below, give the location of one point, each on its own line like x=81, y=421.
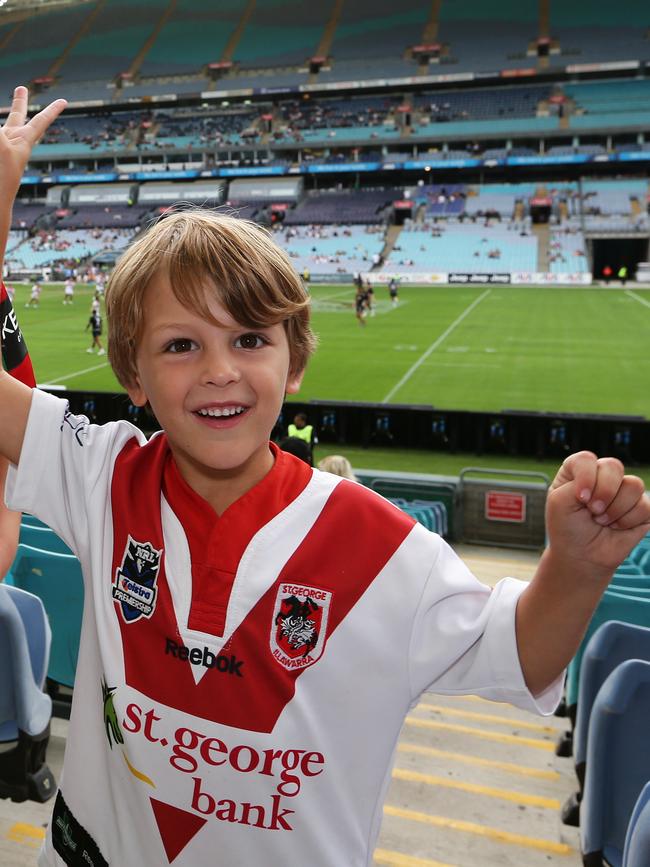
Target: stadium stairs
x=139, y=59
x=323, y=48
x=392, y=234
x=86, y=24
x=238, y=32
x=430, y=34
x=10, y=35
x=543, y=235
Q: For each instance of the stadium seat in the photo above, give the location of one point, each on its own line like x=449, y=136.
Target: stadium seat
x=25, y=710
x=612, y=643
x=614, y=605
x=629, y=582
x=620, y=604
x=618, y=762
x=431, y=515
x=31, y=521
x=644, y=563
x=637, y=839
x=56, y=579
x=630, y=568
x=42, y=537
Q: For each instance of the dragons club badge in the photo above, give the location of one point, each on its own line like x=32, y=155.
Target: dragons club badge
x=299, y=625
x=134, y=586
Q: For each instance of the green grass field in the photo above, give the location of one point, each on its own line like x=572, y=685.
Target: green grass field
x=478, y=348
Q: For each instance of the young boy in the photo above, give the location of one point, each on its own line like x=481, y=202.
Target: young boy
x=250, y=645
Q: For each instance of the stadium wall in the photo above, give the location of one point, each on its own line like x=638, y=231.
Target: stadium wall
x=540, y=435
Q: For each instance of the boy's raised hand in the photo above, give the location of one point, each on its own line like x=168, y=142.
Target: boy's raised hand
x=595, y=514
x=17, y=138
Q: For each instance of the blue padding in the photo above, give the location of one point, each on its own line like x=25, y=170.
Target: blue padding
x=626, y=606
x=618, y=761
x=57, y=581
x=637, y=839
x=24, y=650
x=612, y=643
x=43, y=538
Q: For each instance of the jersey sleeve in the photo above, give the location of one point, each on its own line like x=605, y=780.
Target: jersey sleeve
x=464, y=639
x=64, y=472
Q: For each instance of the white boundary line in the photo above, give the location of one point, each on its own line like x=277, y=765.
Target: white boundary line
x=409, y=373
x=73, y=375
x=347, y=291
x=637, y=298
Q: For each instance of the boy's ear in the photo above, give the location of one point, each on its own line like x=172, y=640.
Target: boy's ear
x=136, y=394
x=294, y=381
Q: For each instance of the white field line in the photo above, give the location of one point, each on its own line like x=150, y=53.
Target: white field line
x=73, y=375
x=409, y=373
x=637, y=297
x=347, y=291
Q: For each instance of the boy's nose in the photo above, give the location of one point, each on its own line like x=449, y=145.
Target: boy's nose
x=220, y=369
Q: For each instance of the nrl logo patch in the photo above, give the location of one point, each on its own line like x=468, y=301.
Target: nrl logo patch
x=299, y=625
x=134, y=586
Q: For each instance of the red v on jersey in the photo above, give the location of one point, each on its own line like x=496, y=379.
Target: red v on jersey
x=176, y=827
x=320, y=582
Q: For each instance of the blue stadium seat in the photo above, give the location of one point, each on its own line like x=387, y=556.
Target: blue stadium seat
x=42, y=537
x=637, y=585
x=618, y=762
x=25, y=710
x=31, y=521
x=637, y=839
x=613, y=606
x=613, y=642
x=629, y=582
x=56, y=579
x=630, y=568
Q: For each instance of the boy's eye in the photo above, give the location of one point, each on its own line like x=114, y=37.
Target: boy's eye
x=182, y=344
x=250, y=341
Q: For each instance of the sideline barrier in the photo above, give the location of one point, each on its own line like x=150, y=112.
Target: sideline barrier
x=494, y=512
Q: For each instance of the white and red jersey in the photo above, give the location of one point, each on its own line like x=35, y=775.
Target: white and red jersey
x=242, y=680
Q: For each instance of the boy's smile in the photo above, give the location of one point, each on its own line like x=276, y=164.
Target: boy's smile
x=216, y=390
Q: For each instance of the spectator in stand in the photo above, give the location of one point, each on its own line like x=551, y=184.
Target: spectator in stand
x=298, y=448
x=338, y=465
x=300, y=429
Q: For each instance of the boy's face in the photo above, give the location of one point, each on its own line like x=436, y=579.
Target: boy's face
x=216, y=390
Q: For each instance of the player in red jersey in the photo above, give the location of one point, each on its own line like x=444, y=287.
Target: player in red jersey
x=252, y=645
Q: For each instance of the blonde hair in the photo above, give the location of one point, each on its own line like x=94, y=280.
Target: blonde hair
x=338, y=465
x=253, y=279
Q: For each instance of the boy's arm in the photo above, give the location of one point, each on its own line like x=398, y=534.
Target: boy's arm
x=595, y=515
x=17, y=138
x=9, y=527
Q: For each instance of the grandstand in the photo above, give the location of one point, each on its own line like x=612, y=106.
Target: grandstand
x=485, y=157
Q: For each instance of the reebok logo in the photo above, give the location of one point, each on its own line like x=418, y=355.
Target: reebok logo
x=226, y=664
